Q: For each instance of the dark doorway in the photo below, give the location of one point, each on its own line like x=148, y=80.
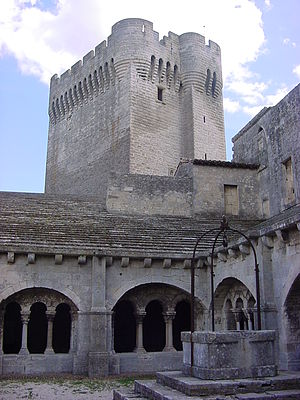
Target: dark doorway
x=154, y=329
x=12, y=329
x=124, y=327
x=62, y=329
x=37, y=329
x=182, y=322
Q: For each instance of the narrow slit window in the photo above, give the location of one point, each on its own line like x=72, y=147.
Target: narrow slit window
x=159, y=94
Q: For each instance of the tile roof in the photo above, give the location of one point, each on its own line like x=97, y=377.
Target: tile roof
x=72, y=225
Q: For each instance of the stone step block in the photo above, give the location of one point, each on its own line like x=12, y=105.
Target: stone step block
x=154, y=391
x=126, y=394
x=273, y=394
x=192, y=386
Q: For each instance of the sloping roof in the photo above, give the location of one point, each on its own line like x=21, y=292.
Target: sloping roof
x=71, y=225
x=225, y=164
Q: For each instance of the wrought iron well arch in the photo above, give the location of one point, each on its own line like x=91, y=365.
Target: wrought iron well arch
x=223, y=228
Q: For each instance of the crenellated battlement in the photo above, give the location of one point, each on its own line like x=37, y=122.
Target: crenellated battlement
x=173, y=62
x=134, y=104
x=135, y=39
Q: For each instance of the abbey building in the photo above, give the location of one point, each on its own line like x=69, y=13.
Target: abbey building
x=95, y=272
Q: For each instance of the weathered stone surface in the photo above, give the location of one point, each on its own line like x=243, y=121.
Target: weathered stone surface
x=230, y=355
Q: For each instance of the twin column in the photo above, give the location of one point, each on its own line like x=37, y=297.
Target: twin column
x=168, y=318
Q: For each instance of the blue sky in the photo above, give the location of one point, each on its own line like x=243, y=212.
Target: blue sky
x=260, y=42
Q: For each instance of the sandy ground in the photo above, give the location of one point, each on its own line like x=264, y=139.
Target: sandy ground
x=66, y=389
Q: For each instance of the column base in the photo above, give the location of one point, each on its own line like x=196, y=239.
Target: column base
x=49, y=351
x=170, y=349
x=23, y=352
x=140, y=350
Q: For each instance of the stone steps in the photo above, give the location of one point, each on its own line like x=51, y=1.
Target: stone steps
x=176, y=386
x=192, y=386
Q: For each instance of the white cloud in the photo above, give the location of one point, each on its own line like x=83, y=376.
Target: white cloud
x=48, y=40
x=296, y=70
x=252, y=111
x=273, y=99
x=231, y=106
x=289, y=42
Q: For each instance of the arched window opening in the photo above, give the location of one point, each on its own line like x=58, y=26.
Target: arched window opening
x=168, y=72
x=53, y=110
x=62, y=105
x=207, y=83
x=152, y=66
x=124, y=327
x=175, y=74
x=101, y=76
x=12, y=329
x=214, y=83
x=154, y=329
x=37, y=329
x=181, y=322
x=160, y=69
x=241, y=318
x=112, y=70
x=57, y=107
x=106, y=73
x=80, y=90
x=85, y=88
x=90, y=84
x=67, y=102
x=76, y=95
x=96, y=80
x=230, y=320
x=62, y=329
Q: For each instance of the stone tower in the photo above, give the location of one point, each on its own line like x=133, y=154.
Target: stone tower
x=135, y=105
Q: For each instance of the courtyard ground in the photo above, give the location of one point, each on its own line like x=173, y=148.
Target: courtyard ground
x=65, y=387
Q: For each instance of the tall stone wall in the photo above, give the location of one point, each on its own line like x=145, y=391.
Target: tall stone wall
x=272, y=139
x=134, y=105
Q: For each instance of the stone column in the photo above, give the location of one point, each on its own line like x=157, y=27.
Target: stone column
x=50, y=318
x=1, y=332
x=25, y=319
x=140, y=315
x=168, y=317
x=73, y=334
x=237, y=319
x=249, y=315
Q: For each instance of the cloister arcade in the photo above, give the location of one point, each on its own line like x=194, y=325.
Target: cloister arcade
x=150, y=318
x=37, y=321
x=234, y=306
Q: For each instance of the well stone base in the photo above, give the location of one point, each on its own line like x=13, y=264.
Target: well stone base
x=230, y=354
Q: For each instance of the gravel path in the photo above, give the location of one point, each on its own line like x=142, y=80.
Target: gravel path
x=66, y=389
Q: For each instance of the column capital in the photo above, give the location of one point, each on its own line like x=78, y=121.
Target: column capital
x=25, y=316
x=169, y=315
x=140, y=315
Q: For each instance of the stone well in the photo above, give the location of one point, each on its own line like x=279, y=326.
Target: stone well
x=230, y=354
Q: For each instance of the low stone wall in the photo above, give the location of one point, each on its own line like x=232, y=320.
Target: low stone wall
x=230, y=355
x=145, y=363
x=35, y=364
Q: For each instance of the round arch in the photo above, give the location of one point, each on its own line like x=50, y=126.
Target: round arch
x=15, y=289
x=292, y=323
x=153, y=306
x=234, y=292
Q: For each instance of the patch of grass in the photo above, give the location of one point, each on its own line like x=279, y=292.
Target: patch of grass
x=79, y=384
